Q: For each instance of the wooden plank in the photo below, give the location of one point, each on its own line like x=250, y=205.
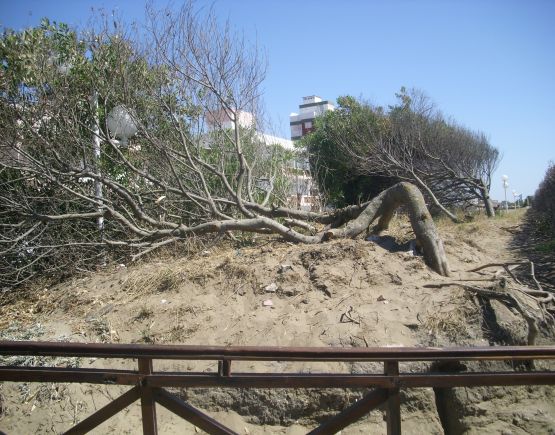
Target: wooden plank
x=191, y=414
x=353, y=413
x=105, y=412
x=224, y=367
x=61, y=374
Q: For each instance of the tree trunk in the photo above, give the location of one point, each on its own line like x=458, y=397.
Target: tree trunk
x=487, y=202
x=384, y=205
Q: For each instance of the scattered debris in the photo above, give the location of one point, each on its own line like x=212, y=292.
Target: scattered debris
x=395, y=278
x=346, y=317
x=284, y=268
x=271, y=288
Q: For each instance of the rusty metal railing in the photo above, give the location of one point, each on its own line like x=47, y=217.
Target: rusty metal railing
x=148, y=385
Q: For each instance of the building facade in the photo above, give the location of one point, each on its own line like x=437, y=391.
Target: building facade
x=303, y=193
x=302, y=123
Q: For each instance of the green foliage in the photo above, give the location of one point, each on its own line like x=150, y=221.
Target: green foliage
x=339, y=179
x=546, y=247
x=544, y=199
x=49, y=76
x=360, y=149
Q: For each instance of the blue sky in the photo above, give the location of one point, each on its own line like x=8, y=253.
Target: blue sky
x=488, y=64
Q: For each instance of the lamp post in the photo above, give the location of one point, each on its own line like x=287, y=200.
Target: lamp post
x=505, y=179
x=121, y=125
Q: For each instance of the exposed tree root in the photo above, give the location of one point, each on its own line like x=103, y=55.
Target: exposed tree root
x=540, y=294
x=384, y=206
x=534, y=309
x=505, y=297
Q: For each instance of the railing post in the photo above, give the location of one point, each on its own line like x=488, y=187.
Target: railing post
x=393, y=409
x=224, y=367
x=148, y=405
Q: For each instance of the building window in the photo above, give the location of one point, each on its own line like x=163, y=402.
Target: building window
x=307, y=127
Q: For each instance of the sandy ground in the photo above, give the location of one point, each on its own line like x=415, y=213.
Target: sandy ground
x=343, y=293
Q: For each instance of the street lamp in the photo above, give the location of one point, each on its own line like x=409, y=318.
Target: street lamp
x=505, y=179
x=121, y=124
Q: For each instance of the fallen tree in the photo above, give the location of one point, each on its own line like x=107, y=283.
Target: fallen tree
x=72, y=184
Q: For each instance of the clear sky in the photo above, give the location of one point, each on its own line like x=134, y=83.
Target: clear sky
x=488, y=64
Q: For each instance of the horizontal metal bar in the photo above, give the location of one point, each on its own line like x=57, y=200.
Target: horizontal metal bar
x=290, y=380
x=251, y=353
x=440, y=380
x=272, y=380
x=56, y=374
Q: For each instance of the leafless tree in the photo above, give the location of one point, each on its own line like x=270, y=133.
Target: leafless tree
x=194, y=168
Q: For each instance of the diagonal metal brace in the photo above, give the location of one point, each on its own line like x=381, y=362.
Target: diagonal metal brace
x=105, y=412
x=353, y=413
x=189, y=413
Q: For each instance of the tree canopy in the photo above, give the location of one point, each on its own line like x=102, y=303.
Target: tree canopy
x=544, y=198
x=409, y=141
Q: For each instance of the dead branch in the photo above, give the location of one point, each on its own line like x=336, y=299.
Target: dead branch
x=291, y=223
x=503, y=296
x=543, y=296
x=347, y=315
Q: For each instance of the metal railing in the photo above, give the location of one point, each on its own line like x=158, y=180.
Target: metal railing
x=148, y=385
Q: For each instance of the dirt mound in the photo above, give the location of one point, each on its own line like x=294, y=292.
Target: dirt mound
x=342, y=293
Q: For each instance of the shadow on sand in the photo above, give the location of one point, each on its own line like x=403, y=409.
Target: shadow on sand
x=528, y=241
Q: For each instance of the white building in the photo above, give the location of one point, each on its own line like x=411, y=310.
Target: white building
x=301, y=183
x=222, y=119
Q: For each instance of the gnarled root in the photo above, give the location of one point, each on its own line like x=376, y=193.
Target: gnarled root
x=384, y=206
x=507, y=298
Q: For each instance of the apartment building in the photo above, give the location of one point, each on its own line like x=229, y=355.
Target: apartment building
x=301, y=124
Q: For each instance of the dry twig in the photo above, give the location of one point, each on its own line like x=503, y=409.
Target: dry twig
x=347, y=315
